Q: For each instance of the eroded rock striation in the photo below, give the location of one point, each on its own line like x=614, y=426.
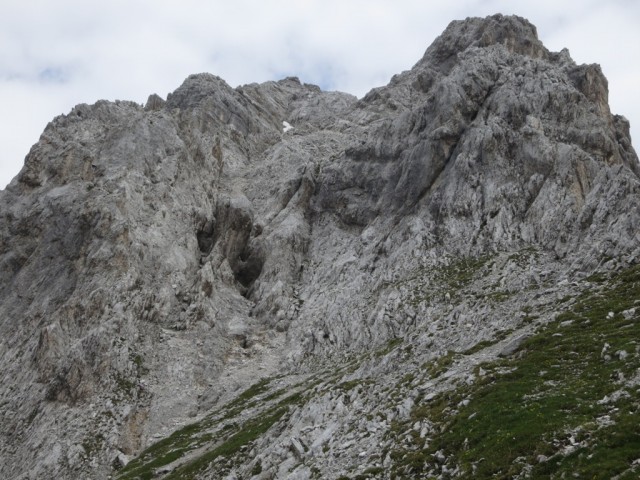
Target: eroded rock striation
x=158, y=260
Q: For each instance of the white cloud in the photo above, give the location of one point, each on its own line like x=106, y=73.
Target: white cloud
x=54, y=55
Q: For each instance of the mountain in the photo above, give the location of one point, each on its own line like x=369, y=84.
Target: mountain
x=438, y=280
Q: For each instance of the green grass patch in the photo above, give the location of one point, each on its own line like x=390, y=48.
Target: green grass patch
x=479, y=346
x=349, y=385
x=164, y=452
x=253, y=391
x=250, y=431
x=498, y=296
x=547, y=402
x=374, y=471
x=524, y=257
x=439, y=366
x=389, y=347
x=227, y=441
x=190, y=436
x=499, y=336
x=461, y=272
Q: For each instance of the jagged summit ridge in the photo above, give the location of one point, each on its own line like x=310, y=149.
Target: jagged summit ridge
x=155, y=261
x=514, y=33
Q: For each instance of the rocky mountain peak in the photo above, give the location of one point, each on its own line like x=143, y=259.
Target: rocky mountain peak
x=289, y=278
x=514, y=33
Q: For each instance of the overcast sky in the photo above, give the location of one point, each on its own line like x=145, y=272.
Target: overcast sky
x=56, y=54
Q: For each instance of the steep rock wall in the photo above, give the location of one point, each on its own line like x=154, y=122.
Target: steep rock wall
x=155, y=259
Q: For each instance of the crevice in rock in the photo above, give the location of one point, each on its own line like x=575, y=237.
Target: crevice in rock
x=206, y=237
x=248, y=267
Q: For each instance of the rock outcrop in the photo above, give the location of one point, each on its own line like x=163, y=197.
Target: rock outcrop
x=157, y=260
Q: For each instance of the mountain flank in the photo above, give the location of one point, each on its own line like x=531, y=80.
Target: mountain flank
x=438, y=280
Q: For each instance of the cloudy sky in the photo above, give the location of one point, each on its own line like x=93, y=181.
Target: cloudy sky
x=56, y=54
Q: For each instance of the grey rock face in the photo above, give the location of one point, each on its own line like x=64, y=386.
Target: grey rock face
x=155, y=260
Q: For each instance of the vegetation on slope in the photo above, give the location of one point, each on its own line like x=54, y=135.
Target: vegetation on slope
x=568, y=404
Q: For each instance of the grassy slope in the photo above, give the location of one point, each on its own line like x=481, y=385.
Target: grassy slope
x=548, y=413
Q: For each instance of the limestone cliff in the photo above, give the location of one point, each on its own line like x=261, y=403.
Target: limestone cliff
x=157, y=260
